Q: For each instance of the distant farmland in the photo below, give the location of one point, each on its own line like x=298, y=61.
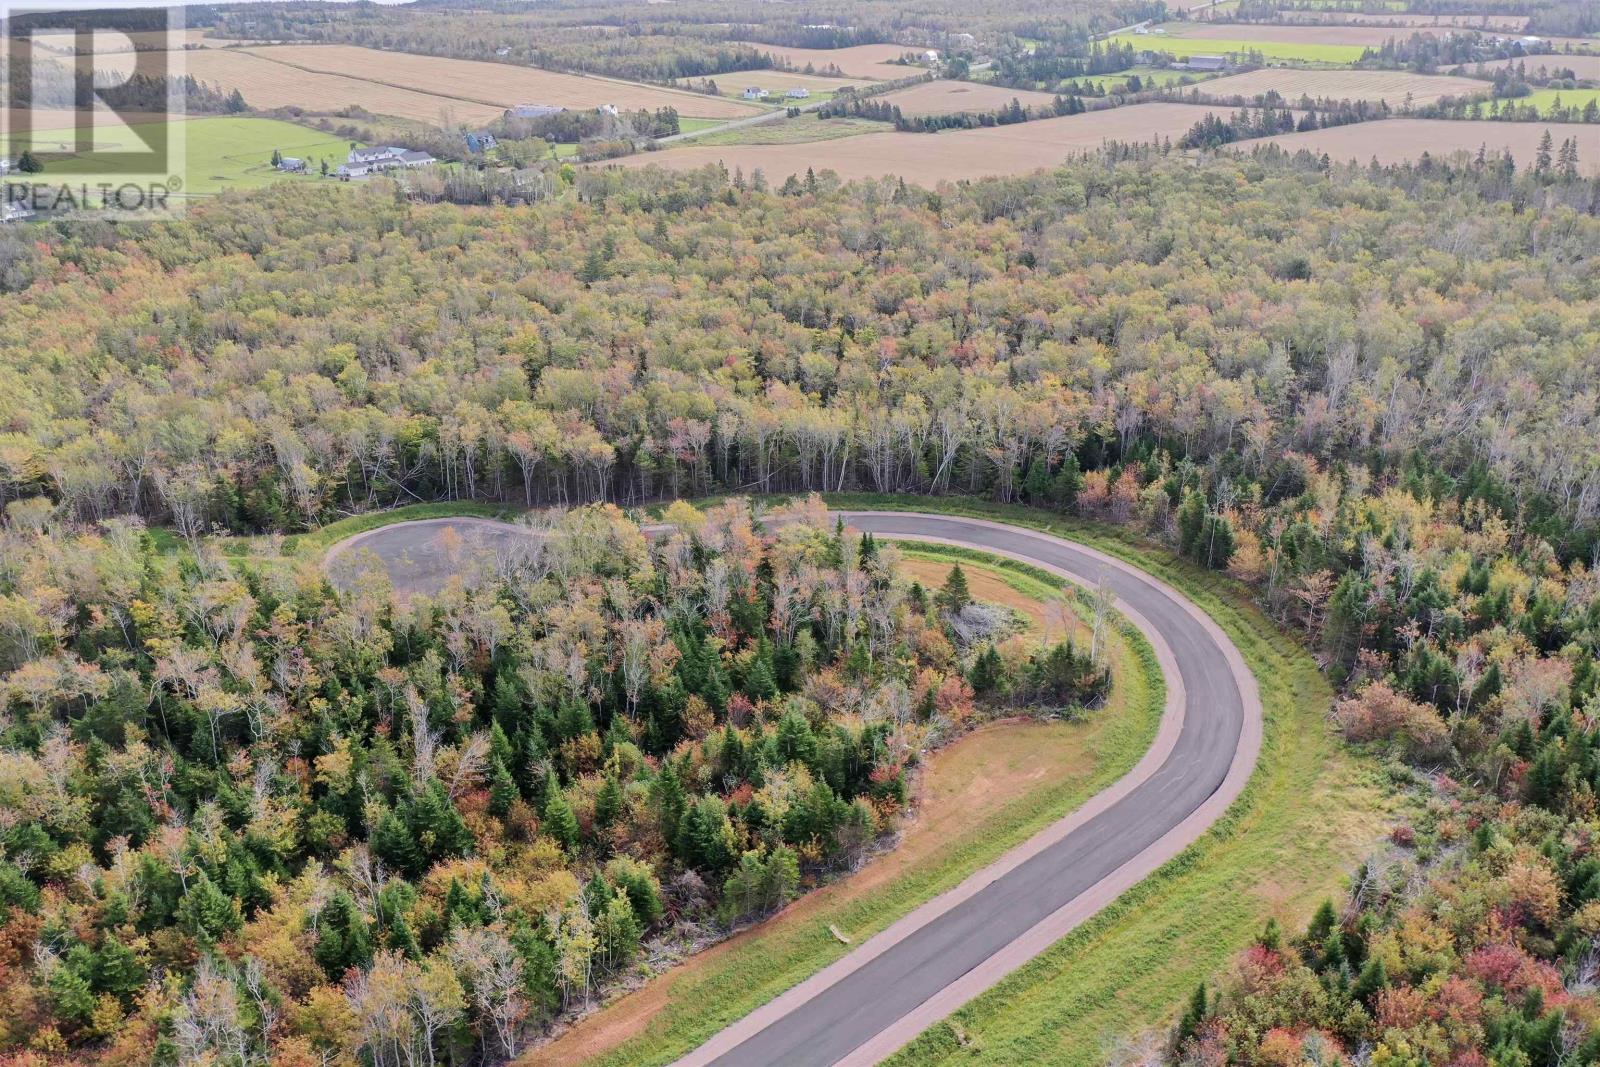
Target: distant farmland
x=498, y=84
x=872, y=61
x=1203, y=46
x=421, y=88
x=945, y=97
x=1587, y=67
x=778, y=82
x=952, y=156
x=1370, y=85
x=1405, y=140
x=1363, y=36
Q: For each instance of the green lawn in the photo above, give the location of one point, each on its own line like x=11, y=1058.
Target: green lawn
x=220, y=153
x=1194, y=46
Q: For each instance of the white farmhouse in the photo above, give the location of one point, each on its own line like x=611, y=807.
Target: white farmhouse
x=365, y=161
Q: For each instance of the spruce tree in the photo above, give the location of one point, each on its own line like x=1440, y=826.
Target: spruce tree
x=559, y=821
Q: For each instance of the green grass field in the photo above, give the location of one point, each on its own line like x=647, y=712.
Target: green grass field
x=1185, y=46
x=1546, y=101
x=220, y=153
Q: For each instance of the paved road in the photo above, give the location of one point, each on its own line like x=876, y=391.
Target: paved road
x=882, y=994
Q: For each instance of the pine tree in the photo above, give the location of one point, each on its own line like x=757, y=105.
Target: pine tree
x=608, y=802
x=28, y=163
x=986, y=670
x=954, y=594
x=559, y=821
x=343, y=940
x=503, y=791
x=1373, y=978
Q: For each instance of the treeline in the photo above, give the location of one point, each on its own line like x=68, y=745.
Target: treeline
x=1509, y=110
x=573, y=126
x=854, y=106
x=1426, y=53
x=1268, y=120
x=1044, y=68
x=586, y=402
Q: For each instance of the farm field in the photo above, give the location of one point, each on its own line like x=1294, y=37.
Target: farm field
x=1547, y=100
x=267, y=84
x=870, y=61
x=1586, y=67
x=945, y=97
x=779, y=81
x=952, y=156
x=1370, y=85
x=497, y=84
x=1403, y=140
x=222, y=153
x=806, y=129
x=106, y=41
x=1199, y=46
x=1361, y=36
x=63, y=119
x=1408, y=20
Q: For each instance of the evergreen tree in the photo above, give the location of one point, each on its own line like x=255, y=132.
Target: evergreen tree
x=608, y=802
x=343, y=940
x=954, y=594
x=559, y=820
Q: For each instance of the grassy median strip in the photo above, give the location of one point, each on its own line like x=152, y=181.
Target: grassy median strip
x=682, y=1008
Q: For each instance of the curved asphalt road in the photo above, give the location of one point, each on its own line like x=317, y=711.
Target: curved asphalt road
x=871, y=1002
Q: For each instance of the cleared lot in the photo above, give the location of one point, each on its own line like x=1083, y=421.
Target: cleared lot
x=958, y=154
x=873, y=61
x=945, y=97
x=1402, y=140
x=1371, y=85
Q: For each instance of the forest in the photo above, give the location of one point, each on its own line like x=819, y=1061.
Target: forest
x=339, y=826
x=250, y=817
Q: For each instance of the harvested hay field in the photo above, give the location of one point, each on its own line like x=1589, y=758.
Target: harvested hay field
x=944, y=97
x=60, y=118
x=871, y=61
x=928, y=159
x=496, y=84
x=1405, y=140
x=1370, y=85
x=1585, y=67
x=266, y=84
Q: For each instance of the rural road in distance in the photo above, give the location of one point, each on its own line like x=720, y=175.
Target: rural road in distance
x=872, y=1001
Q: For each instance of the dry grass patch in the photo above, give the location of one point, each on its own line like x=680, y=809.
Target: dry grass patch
x=1405, y=140
x=944, y=97
x=1391, y=86
x=778, y=82
x=928, y=159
